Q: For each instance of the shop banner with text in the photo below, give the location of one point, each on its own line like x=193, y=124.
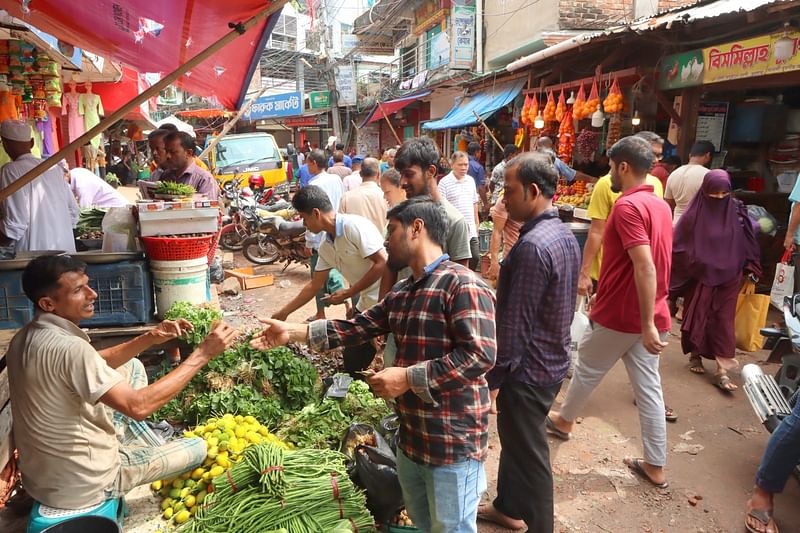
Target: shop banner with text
x=746, y=58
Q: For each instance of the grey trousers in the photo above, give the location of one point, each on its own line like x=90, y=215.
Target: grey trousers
x=598, y=352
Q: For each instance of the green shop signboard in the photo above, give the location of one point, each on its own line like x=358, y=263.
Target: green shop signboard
x=319, y=99
x=682, y=70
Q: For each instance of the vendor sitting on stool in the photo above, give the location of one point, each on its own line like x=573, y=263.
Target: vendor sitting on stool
x=77, y=412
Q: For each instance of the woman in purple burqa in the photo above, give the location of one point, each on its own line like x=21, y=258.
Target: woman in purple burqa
x=713, y=245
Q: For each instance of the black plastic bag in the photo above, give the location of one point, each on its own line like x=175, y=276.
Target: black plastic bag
x=376, y=472
x=216, y=272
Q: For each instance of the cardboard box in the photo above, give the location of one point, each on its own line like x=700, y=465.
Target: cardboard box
x=249, y=279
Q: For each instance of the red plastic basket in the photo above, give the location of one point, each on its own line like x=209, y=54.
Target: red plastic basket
x=177, y=248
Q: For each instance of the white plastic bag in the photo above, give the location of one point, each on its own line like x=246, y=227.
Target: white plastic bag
x=783, y=285
x=580, y=325
x=119, y=230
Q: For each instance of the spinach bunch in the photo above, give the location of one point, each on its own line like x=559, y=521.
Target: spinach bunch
x=201, y=317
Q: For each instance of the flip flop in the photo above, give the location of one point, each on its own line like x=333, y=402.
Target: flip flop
x=635, y=465
x=763, y=516
x=722, y=381
x=551, y=428
x=669, y=414
x=696, y=366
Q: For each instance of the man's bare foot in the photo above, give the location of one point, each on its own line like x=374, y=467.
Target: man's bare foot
x=759, y=513
x=487, y=512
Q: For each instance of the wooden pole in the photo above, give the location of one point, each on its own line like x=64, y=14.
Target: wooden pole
x=154, y=90
x=397, y=137
x=488, y=131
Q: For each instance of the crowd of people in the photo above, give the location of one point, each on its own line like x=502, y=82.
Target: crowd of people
x=396, y=243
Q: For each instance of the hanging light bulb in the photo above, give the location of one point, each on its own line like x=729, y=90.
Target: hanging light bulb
x=636, y=120
x=598, y=117
x=538, y=122
x=571, y=99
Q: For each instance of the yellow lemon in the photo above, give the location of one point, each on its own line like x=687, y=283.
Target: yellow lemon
x=250, y=420
x=175, y=493
x=185, y=492
x=212, y=442
x=198, y=473
x=182, y=516
x=239, y=419
x=190, y=501
x=199, y=429
x=156, y=486
x=223, y=462
x=168, y=513
x=167, y=503
x=212, y=452
x=216, y=471
x=240, y=432
x=263, y=431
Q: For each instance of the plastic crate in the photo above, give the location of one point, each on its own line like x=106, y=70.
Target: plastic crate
x=124, y=294
x=16, y=309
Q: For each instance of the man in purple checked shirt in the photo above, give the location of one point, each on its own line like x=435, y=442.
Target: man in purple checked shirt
x=536, y=293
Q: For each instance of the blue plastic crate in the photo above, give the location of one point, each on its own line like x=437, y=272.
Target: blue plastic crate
x=15, y=308
x=124, y=294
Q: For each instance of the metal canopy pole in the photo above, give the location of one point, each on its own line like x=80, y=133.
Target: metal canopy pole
x=237, y=31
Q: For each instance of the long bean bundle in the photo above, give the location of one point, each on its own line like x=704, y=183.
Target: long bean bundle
x=299, y=491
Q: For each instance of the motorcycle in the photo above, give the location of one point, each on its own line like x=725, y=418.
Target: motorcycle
x=277, y=240
x=771, y=397
x=244, y=213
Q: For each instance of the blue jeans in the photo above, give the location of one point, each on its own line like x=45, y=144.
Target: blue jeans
x=442, y=499
x=782, y=454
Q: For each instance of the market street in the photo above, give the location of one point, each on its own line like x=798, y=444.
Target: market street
x=714, y=447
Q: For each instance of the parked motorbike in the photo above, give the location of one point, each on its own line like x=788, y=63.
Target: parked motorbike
x=277, y=240
x=771, y=397
x=245, y=212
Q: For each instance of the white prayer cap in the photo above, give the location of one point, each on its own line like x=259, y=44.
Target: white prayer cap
x=15, y=130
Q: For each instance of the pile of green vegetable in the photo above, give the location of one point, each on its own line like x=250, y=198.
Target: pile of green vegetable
x=321, y=425
x=90, y=221
x=278, y=387
x=280, y=491
x=174, y=189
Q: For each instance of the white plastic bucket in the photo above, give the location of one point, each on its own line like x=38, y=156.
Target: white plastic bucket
x=179, y=281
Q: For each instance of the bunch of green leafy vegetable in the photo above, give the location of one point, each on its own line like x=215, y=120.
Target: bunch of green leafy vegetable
x=322, y=425
x=112, y=179
x=90, y=219
x=174, y=189
x=201, y=317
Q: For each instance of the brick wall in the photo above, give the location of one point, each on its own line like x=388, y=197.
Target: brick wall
x=600, y=14
x=593, y=14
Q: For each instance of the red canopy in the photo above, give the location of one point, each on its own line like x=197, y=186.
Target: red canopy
x=390, y=107
x=159, y=35
x=117, y=94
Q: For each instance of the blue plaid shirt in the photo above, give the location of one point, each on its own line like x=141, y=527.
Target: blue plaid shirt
x=536, y=294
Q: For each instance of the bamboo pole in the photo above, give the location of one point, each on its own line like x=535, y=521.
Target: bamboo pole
x=154, y=90
x=390, y=124
x=488, y=130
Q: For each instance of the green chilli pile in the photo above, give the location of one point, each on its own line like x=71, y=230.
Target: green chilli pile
x=277, y=490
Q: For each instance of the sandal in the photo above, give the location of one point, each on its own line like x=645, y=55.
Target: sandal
x=669, y=414
x=636, y=467
x=552, y=429
x=696, y=365
x=765, y=518
x=724, y=382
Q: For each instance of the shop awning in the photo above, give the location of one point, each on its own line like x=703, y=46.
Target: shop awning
x=390, y=107
x=484, y=103
x=203, y=113
x=158, y=36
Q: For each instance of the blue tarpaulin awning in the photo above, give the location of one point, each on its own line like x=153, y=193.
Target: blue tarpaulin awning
x=484, y=103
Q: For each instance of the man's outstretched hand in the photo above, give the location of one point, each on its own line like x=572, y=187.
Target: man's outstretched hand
x=275, y=333
x=170, y=329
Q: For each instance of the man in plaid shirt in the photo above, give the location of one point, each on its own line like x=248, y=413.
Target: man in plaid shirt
x=443, y=319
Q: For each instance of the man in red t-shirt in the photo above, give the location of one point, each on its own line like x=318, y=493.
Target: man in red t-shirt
x=630, y=317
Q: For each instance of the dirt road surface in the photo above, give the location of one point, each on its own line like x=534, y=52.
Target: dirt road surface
x=714, y=448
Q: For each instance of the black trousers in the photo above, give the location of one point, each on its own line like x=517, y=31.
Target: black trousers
x=475, y=250
x=525, y=479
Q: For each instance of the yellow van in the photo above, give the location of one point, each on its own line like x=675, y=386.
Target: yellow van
x=242, y=155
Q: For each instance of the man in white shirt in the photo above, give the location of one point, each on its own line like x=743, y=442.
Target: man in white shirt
x=352, y=245
x=463, y=194
x=41, y=215
x=353, y=180
x=367, y=200
x=90, y=189
x=332, y=185
x=685, y=181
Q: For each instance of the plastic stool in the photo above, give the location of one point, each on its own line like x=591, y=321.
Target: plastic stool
x=43, y=516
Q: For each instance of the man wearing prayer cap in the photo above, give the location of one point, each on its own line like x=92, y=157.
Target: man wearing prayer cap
x=41, y=215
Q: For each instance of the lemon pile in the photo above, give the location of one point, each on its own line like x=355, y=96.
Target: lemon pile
x=226, y=438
